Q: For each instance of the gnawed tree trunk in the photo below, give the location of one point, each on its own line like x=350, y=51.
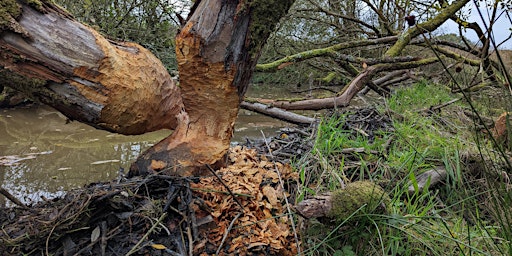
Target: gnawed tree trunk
x=122, y=87
x=217, y=50
x=119, y=87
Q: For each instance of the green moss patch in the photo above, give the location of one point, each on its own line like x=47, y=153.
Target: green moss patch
x=9, y=12
x=365, y=196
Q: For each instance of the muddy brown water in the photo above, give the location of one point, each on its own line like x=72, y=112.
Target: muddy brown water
x=43, y=156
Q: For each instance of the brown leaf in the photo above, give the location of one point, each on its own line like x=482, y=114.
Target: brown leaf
x=157, y=165
x=271, y=195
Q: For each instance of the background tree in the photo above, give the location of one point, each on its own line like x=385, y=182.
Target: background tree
x=324, y=48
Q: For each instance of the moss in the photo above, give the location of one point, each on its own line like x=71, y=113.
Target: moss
x=332, y=76
x=20, y=83
x=355, y=196
x=9, y=12
x=267, y=14
x=36, y=4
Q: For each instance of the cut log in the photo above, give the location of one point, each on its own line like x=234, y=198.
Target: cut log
x=119, y=87
x=343, y=204
x=429, y=178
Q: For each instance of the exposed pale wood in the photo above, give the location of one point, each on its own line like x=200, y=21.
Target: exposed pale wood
x=120, y=87
x=216, y=50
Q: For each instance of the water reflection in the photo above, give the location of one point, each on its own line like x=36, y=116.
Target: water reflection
x=41, y=155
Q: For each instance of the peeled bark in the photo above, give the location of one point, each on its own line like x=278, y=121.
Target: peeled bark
x=119, y=87
x=217, y=51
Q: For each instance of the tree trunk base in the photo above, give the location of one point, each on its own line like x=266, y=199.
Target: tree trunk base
x=181, y=154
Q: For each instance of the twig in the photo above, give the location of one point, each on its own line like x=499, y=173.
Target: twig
x=358, y=150
x=190, y=241
x=360, y=131
x=221, y=192
x=11, y=197
x=227, y=232
x=134, y=248
x=315, y=88
x=226, y=186
x=48, y=240
x=285, y=198
x=442, y=105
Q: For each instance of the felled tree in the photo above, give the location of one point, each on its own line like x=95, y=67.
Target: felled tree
x=123, y=88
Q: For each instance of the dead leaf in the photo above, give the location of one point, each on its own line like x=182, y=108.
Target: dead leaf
x=271, y=195
x=158, y=165
x=95, y=234
x=158, y=246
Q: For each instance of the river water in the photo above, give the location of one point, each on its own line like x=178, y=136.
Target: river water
x=41, y=155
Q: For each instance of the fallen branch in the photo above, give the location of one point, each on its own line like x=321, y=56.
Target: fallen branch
x=428, y=178
x=439, y=106
x=351, y=90
x=11, y=197
x=278, y=113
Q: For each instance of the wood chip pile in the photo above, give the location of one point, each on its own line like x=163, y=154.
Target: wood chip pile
x=261, y=223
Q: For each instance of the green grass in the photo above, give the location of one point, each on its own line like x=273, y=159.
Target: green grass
x=466, y=214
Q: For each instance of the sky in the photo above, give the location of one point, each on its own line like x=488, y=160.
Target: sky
x=501, y=30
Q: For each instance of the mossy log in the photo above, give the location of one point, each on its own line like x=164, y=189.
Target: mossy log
x=340, y=205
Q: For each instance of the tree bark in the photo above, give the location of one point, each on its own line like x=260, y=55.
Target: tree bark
x=122, y=87
x=119, y=87
x=217, y=51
